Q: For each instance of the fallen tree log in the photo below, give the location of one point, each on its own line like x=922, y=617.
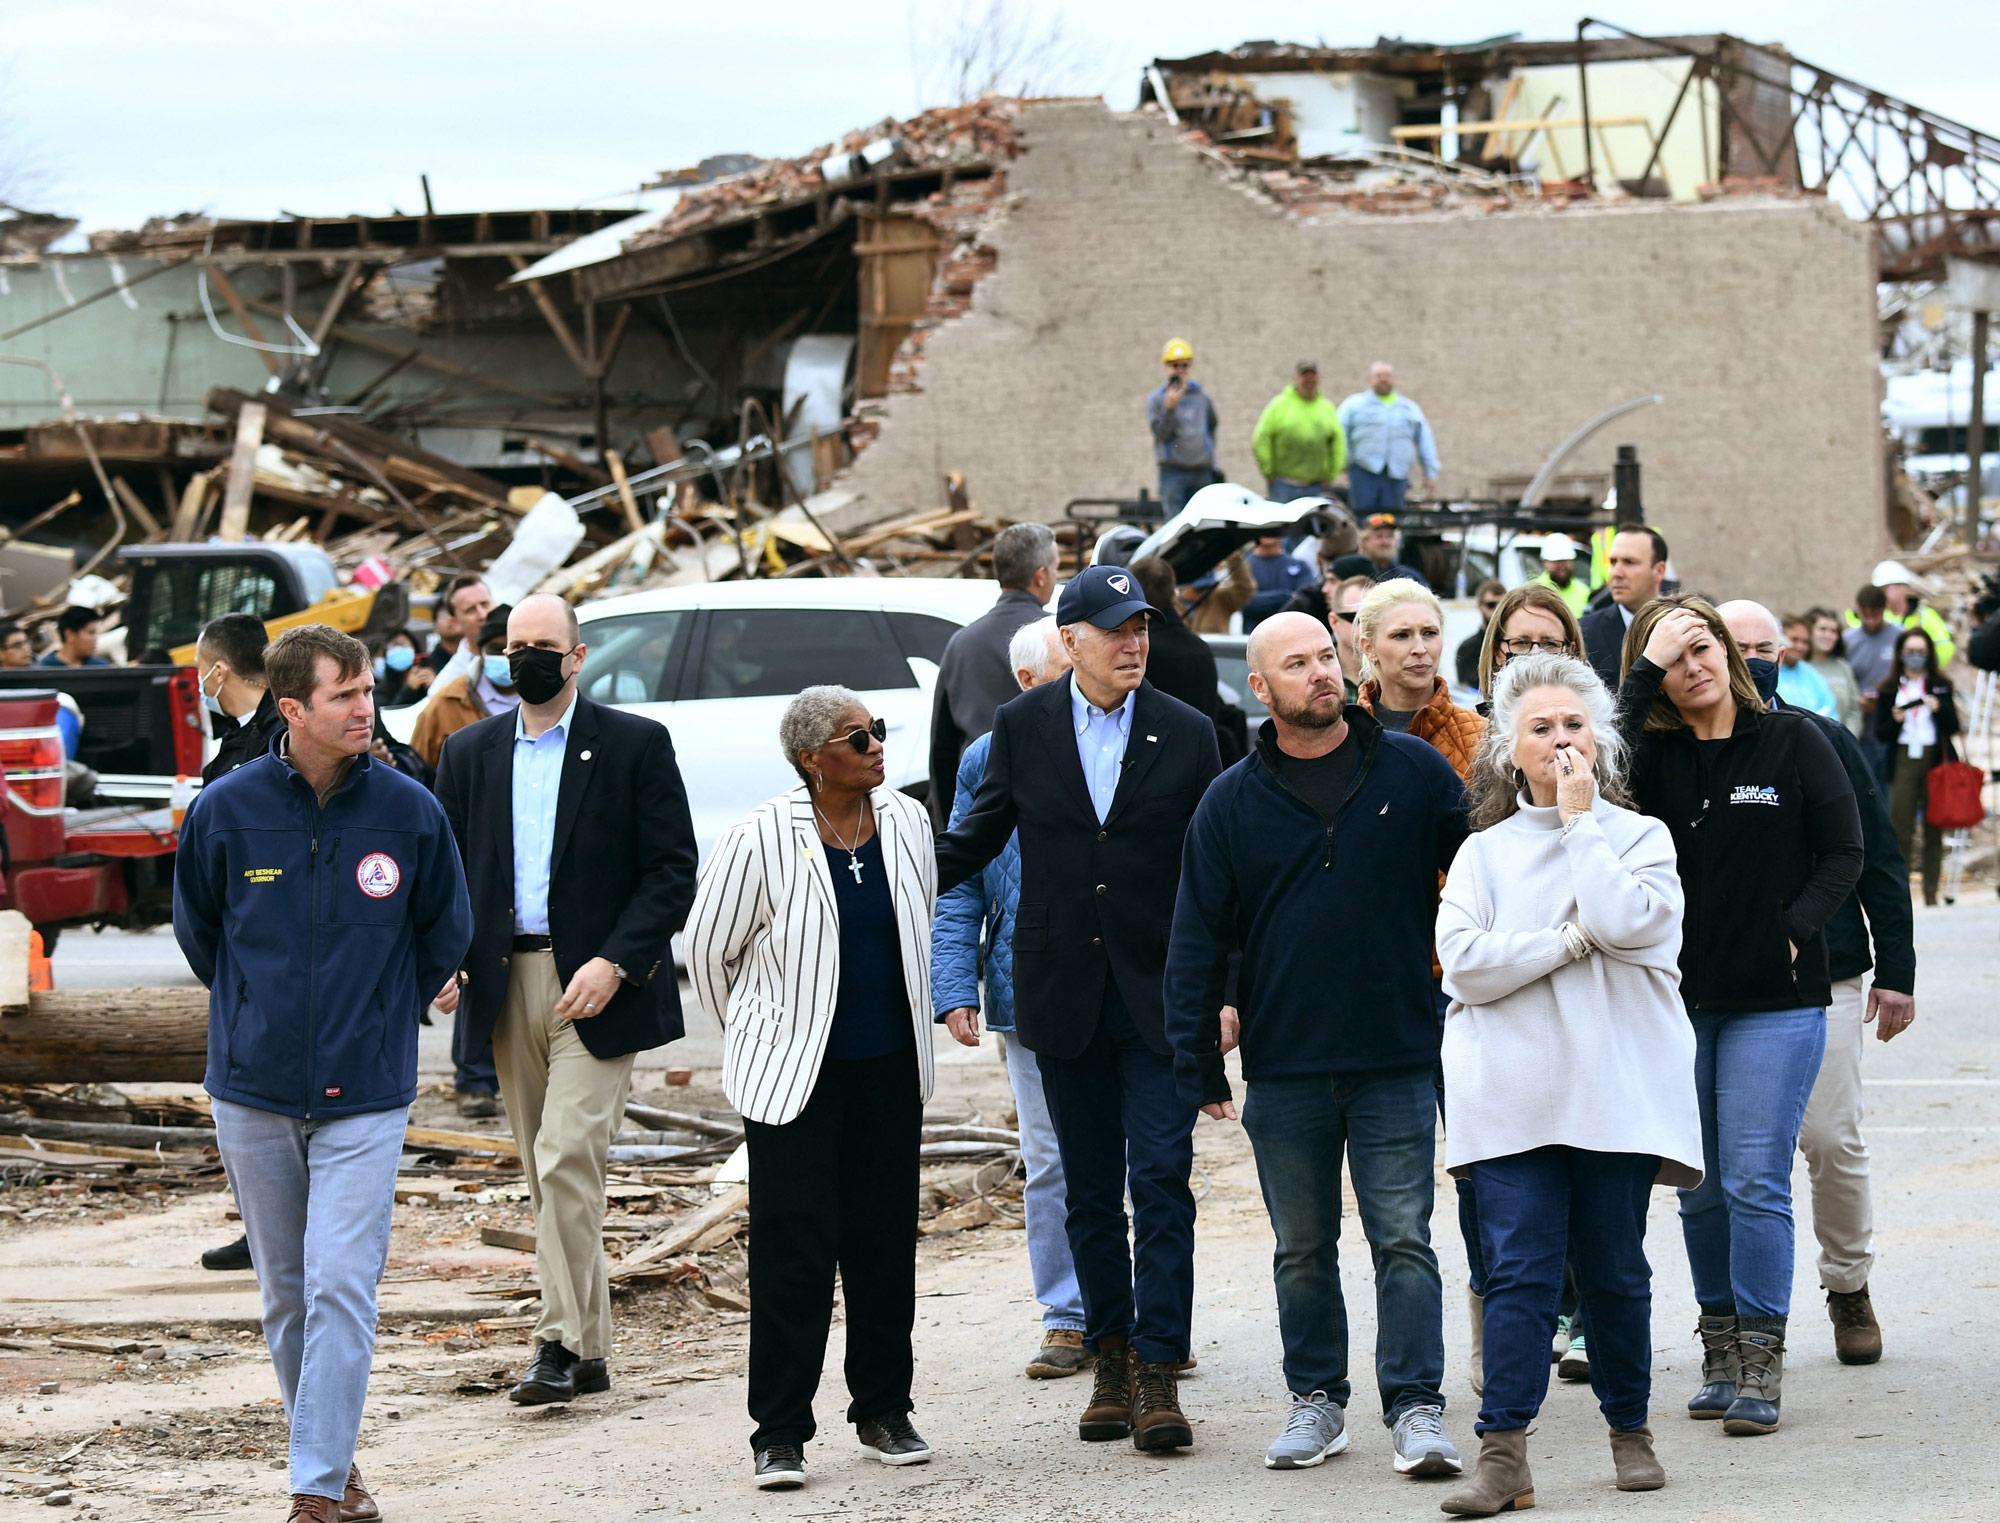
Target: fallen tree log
x=118, y=1134
x=106, y=1036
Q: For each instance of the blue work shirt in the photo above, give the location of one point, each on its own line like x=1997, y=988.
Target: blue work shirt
x=1100, y=745
x=1387, y=436
x=537, y=782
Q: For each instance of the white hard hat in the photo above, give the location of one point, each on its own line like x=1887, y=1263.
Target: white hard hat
x=1558, y=547
x=1888, y=573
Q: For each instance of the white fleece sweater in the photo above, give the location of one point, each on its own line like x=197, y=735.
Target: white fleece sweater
x=1542, y=1050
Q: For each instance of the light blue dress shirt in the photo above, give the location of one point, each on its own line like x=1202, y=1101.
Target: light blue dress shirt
x=538, y=765
x=1101, y=739
x=1388, y=437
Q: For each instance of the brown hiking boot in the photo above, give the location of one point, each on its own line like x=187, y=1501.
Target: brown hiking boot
x=307, y=1508
x=1501, y=1482
x=1857, y=1336
x=1109, y=1414
x=1157, y=1422
x=1061, y=1354
x=357, y=1506
x=1638, y=1467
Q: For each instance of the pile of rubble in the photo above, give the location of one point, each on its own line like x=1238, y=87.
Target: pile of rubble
x=981, y=132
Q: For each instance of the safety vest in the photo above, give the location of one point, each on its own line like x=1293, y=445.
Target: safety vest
x=1921, y=617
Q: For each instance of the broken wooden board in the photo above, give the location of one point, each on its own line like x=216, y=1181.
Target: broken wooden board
x=682, y=1236
x=441, y=1140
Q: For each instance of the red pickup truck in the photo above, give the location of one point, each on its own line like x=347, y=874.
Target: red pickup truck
x=64, y=867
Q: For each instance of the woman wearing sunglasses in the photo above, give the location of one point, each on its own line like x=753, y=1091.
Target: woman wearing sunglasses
x=810, y=942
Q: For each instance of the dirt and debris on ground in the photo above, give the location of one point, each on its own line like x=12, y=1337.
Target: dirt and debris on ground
x=145, y=1375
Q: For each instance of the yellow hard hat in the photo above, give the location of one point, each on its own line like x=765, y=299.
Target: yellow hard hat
x=1177, y=349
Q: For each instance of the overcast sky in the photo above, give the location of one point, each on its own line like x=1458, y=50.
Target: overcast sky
x=116, y=110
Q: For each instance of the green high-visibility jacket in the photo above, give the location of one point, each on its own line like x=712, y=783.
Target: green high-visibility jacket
x=1300, y=440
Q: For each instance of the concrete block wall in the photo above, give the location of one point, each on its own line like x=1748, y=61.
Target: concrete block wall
x=1754, y=318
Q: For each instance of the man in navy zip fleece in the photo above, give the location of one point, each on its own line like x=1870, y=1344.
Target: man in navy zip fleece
x=319, y=897
x=1331, y=823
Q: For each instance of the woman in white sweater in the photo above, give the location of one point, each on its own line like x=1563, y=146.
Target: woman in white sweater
x=1559, y=935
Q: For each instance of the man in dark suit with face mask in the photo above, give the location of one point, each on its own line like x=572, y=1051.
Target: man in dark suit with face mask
x=580, y=860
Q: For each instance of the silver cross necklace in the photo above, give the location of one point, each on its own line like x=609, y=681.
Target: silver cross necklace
x=860, y=819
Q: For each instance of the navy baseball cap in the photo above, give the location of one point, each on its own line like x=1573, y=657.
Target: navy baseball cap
x=1102, y=595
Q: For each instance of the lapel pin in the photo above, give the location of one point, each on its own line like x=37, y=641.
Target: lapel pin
x=585, y=755
x=1154, y=739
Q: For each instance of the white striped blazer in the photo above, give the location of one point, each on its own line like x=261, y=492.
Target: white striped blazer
x=763, y=946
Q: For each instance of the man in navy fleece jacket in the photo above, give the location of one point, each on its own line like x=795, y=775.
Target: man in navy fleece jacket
x=1313, y=864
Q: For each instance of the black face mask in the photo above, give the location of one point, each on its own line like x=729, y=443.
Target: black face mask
x=1765, y=675
x=538, y=674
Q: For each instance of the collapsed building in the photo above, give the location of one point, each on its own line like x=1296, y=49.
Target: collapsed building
x=967, y=306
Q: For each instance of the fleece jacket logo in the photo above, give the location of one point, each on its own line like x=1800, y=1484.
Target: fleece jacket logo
x=1750, y=793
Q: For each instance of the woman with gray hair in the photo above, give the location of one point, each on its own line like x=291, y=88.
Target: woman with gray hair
x=1560, y=937
x=810, y=942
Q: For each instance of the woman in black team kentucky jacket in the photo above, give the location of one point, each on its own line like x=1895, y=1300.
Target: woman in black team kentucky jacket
x=1769, y=843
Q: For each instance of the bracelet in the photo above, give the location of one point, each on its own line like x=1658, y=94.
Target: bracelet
x=1576, y=940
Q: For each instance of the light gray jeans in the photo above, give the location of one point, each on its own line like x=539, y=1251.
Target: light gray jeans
x=316, y=1198
x=1044, y=1201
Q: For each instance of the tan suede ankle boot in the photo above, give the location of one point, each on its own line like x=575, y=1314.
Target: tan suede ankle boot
x=1638, y=1468
x=1501, y=1483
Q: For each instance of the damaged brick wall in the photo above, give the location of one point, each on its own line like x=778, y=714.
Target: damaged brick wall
x=1754, y=318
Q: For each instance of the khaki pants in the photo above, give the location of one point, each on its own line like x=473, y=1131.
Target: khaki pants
x=1843, y=1210
x=564, y=1106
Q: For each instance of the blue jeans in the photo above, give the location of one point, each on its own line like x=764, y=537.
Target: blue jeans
x=1122, y=1125
x=1043, y=1199
x=1385, y=1121
x=1753, y=1073
x=1371, y=492
x=1534, y=1209
x=1284, y=489
x=1180, y=482
x=316, y=1198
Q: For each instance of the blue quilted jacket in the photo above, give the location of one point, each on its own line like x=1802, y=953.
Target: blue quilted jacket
x=983, y=904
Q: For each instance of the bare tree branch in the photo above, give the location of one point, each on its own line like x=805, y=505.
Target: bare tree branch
x=994, y=47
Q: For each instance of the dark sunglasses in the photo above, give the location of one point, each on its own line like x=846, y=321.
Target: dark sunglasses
x=1346, y=616
x=858, y=737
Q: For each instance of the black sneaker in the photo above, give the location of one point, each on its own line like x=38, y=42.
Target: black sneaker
x=234, y=1255
x=892, y=1440
x=782, y=1467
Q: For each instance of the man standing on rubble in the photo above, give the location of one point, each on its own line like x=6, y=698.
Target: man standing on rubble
x=318, y=895
x=580, y=856
x=1299, y=443
x=1387, y=435
x=1182, y=418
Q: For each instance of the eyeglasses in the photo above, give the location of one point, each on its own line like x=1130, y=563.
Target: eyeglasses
x=859, y=736
x=1345, y=615
x=1537, y=647
x=1487, y=609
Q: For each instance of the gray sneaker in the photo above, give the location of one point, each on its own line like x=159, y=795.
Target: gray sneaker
x=1421, y=1447
x=1314, y=1428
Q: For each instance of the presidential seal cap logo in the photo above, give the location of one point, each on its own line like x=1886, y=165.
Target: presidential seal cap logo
x=1121, y=585
x=377, y=875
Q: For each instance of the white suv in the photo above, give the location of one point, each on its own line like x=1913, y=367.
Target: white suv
x=717, y=665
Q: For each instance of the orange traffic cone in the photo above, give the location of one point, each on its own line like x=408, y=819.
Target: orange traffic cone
x=41, y=973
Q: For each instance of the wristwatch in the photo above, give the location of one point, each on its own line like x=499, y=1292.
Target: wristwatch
x=623, y=976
